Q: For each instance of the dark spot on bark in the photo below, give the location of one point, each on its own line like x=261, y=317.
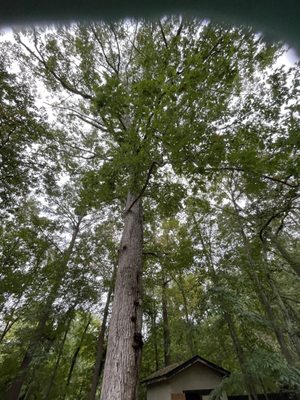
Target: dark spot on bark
x=124, y=247
x=136, y=303
x=138, y=341
x=133, y=318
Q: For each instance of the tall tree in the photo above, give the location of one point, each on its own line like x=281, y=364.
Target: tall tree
x=148, y=69
x=160, y=98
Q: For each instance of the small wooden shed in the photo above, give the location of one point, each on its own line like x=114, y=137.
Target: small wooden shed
x=193, y=379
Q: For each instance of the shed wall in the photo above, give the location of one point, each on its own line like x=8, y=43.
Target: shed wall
x=159, y=391
x=196, y=377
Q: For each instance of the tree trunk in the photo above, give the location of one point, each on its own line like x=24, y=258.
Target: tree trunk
x=14, y=391
x=271, y=316
x=75, y=356
x=15, y=388
x=188, y=322
x=292, y=260
x=240, y=356
x=123, y=356
x=9, y=324
x=26, y=395
x=55, y=369
x=166, y=327
x=100, y=341
x=250, y=269
x=154, y=334
x=11, y=320
x=265, y=393
x=248, y=379
x=290, y=324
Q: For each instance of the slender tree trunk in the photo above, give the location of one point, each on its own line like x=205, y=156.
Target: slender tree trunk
x=9, y=324
x=120, y=379
x=80, y=389
x=292, y=260
x=100, y=340
x=264, y=389
x=11, y=321
x=55, y=369
x=240, y=356
x=293, y=334
x=166, y=327
x=271, y=316
x=252, y=273
x=154, y=334
x=75, y=356
x=189, y=325
x=248, y=379
x=14, y=391
x=15, y=388
x=27, y=391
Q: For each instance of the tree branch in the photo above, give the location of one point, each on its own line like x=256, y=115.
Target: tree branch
x=144, y=187
x=270, y=178
x=113, y=67
x=163, y=35
x=118, y=47
x=66, y=85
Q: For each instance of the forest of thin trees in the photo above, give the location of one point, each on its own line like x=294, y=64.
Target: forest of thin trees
x=150, y=178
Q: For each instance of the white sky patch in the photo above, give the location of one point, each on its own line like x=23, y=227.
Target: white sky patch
x=289, y=58
x=6, y=33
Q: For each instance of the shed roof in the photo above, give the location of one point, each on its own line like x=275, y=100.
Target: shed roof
x=171, y=370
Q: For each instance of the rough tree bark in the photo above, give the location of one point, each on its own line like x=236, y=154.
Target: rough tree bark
x=100, y=340
x=124, y=338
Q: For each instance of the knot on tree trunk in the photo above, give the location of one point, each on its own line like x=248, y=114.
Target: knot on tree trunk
x=137, y=341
